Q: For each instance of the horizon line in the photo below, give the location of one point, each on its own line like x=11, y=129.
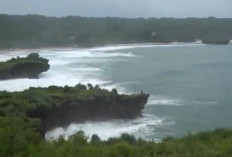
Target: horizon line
x=152, y=17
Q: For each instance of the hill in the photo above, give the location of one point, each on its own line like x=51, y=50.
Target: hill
x=34, y=31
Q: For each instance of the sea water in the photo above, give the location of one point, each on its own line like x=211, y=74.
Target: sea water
x=190, y=85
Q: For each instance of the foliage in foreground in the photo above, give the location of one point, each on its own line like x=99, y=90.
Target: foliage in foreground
x=18, y=139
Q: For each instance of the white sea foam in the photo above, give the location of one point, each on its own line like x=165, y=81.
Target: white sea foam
x=110, y=86
x=58, y=62
x=92, y=54
x=67, y=68
x=198, y=41
x=161, y=100
x=130, y=46
x=7, y=56
x=45, y=81
x=167, y=101
x=111, y=128
x=86, y=69
x=205, y=102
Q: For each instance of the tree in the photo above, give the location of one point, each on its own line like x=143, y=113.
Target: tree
x=81, y=86
x=114, y=91
x=79, y=138
x=90, y=86
x=97, y=87
x=95, y=139
x=128, y=138
x=33, y=56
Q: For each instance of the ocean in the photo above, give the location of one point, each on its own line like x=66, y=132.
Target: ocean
x=190, y=85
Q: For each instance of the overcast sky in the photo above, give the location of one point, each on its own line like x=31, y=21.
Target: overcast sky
x=120, y=8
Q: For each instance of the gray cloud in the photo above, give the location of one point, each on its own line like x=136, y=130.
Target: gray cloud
x=120, y=8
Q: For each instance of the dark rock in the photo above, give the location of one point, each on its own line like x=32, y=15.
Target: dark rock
x=60, y=106
x=64, y=110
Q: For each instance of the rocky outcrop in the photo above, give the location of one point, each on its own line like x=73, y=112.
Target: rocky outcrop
x=99, y=105
x=29, y=67
x=60, y=106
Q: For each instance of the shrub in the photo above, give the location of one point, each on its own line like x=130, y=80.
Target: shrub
x=128, y=138
x=79, y=138
x=114, y=92
x=95, y=139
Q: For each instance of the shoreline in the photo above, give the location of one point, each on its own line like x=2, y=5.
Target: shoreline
x=69, y=48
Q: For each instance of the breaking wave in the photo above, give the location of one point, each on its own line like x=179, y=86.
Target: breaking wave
x=68, y=67
x=161, y=100
x=167, y=101
x=107, y=129
x=130, y=46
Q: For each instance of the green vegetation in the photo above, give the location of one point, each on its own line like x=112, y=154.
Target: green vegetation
x=35, y=99
x=19, y=138
x=60, y=106
x=30, y=66
x=38, y=31
x=22, y=135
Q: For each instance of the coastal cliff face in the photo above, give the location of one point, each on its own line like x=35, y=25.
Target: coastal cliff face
x=68, y=110
x=29, y=67
x=60, y=106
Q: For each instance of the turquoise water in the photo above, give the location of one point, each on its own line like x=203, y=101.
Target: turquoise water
x=190, y=85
